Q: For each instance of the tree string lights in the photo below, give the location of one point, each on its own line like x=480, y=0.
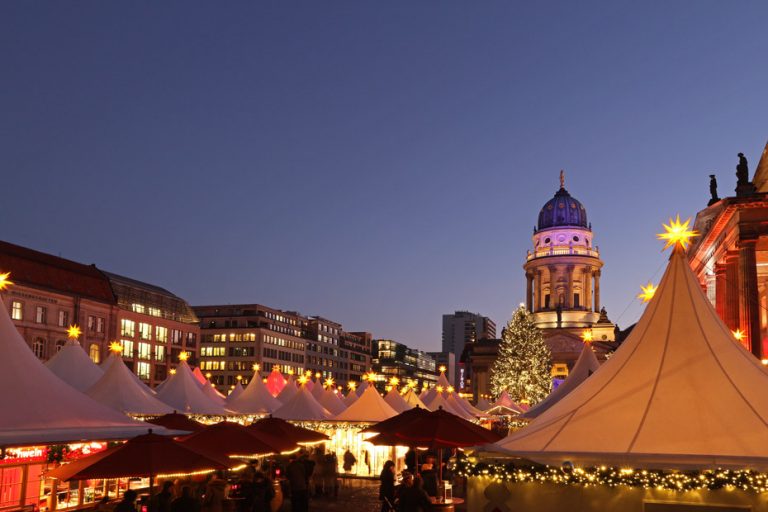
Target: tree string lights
x=710, y=479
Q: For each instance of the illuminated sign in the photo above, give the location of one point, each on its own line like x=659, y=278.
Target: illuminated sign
x=25, y=454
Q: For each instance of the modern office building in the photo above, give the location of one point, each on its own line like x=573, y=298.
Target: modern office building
x=393, y=359
x=460, y=329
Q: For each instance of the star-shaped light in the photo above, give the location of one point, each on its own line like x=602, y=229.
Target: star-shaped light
x=290, y=371
x=738, y=334
x=586, y=336
x=394, y=381
x=371, y=376
x=255, y=367
x=442, y=369
x=303, y=380
x=648, y=292
x=4, y=281
x=116, y=347
x=73, y=332
x=238, y=377
x=677, y=233
x=173, y=371
x=328, y=382
x=439, y=389
x=450, y=389
x=184, y=356
x=352, y=385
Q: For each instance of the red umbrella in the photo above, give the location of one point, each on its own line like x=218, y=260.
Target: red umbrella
x=281, y=428
x=393, y=424
x=147, y=455
x=176, y=421
x=227, y=438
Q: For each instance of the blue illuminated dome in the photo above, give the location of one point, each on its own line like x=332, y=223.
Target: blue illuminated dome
x=562, y=210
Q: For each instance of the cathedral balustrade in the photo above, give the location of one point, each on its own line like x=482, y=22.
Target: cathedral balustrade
x=563, y=251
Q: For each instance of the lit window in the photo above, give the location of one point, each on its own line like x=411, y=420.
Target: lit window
x=137, y=308
x=161, y=334
x=145, y=331
x=127, y=348
x=17, y=310
x=63, y=318
x=127, y=328
x=144, y=351
x=155, y=312
x=40, y=314
x=95, y=353
x=99, y=324
x=159, y=353
x=142, y=370
x=38, y=347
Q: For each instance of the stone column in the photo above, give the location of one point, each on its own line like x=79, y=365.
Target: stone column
x=568, y=287
x=731, y=309
x=553, y=278
x=588, y=288
x=539, y=295
x=748, y=305
x=597, y=291
x=720, y=289
x=529, y=291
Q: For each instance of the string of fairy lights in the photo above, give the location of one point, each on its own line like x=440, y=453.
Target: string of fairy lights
x=745, y=480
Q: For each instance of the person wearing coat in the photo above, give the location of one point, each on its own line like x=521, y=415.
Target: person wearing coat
x=387, y=486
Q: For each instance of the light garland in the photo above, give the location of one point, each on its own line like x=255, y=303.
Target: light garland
x=711, y=479
x=179, y=475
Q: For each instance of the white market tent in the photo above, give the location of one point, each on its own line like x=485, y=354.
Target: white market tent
x=362, y=387
x=255, y=398
x=39, y=407
x=428, y=397
x=465, y=406
x=369, y=407
x=331, y=401
x=289, y=391
x=119, y=390
x=317, y=391
x=586, y=365
x=442, y=381
x=396, y=401
x=212, y=393
x=504, y=405
x=302, y=407
x=183, y=392
x=350, y=398
x=482, y=404
x=413, y=400
x=197, y=373
x=236, y=392
x=679, y=393
x=449, y=405
x=72, y=365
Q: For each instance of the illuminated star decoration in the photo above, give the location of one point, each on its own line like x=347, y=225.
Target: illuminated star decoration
x=648, y=292
x=738, y=334
x=677, y=233
x=184, y=356
x=116, y=347
x=586, y=336
x=303, y=380
x=4, y=281
x=442, y=369
x=329, y=382
x=73, y=332
x=255, y=367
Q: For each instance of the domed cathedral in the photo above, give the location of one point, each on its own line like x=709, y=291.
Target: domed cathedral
x=563, y=281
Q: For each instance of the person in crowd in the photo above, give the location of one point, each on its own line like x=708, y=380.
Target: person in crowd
x=161, y=502
x=349, y=461
x=429, y=476
x=296, y=474
x=186, y=502
x=410, y=460
x=128, y=503
x=412, y=496
x=263, y=492
x=245, y=492
x=331, y=475
x=103, y=505
x=387, y=486
x=215, y=494
x=318, y=473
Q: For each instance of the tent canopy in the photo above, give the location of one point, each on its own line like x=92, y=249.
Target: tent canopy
x=255, y=398
x=302, y=406
x=183, y=392
x=72, y=365
x=119, y=390
x=369, y=407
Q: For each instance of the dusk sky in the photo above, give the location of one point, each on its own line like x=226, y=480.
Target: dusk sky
x=375, y=163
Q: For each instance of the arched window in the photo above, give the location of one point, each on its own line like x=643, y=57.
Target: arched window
x=94, y=353
x=38, y=347
x=60, y=344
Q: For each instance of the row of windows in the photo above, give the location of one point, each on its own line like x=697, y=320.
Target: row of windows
x=95, y=323
x=280, y=318
x=281, y=342
x=330, y=363
x=139, y=308
x=213, y=351
x=283, y=355
x=40, y=349
x=128, y=330
x=285, y=368
x=144, y=350
x=240, y=336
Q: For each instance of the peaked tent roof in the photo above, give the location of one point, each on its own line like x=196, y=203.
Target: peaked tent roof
x=317, y=392
x=504, y=405
x=48, y=410
x=442, y=381
x=288, y=391
x=350, y=398
x=412, y=399
x=332, y=402
x=119, y=390
x=236, y=391
x=466, y=406
x=197, y=373
x=255, y=399
x=441, y=401
x=212, y=393
x=482, y=404
x=678, y=393
x=368, y=407
x=427, y=397
x=184, y=393
x=302, y=406
x=586, y=365
x=396, y=401
x=362, y=387
x=72, y=365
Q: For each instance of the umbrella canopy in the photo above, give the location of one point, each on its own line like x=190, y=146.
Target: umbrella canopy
x=281, y=428
x=184, y=393
x=302, y=406
x=255, y=399
x=396, y=400
x=331, y=401
x=393, y=423
x=236, y=392
x=144, y=456
x=369, y=407
x=228, y=438
x=439, y=429
x=119, y=390
x=72, y=365
x=176, y=421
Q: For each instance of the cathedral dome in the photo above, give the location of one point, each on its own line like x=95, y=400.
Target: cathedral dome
x=562, y=210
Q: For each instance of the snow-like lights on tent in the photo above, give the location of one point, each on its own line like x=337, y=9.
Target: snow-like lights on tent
x=73, y=332
x=647, y=292
x=677, y=233
x=4, y=281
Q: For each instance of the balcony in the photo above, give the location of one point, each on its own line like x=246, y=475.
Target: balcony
x=563, y=251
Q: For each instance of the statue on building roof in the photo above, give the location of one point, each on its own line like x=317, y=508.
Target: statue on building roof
x=562, y=179
x=743, y=186
x=713, y=190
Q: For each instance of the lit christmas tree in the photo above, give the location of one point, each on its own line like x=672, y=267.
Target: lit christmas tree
x=523, y=364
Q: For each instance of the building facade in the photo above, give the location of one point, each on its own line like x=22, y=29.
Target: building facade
x=730, y=257
x=460, y=329
x=393, y=359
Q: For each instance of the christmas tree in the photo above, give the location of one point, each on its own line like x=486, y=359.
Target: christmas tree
x=523, y=364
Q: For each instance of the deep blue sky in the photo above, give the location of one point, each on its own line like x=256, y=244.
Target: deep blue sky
x=377, y=163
